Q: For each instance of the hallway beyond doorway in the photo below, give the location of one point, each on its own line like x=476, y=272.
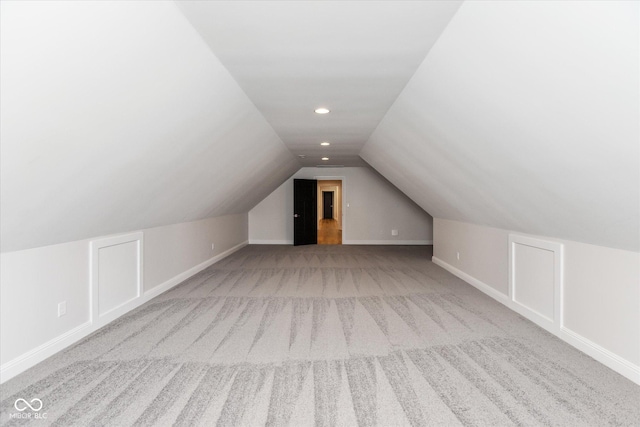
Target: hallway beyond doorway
x=329, y=195
x=329, y=233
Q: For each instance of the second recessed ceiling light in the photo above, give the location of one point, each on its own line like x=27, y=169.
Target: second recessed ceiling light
x=325, y=158
x=325, y=143
x=322, y=110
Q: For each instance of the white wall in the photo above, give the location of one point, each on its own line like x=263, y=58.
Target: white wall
x=601, y=288
x=116, y=116
x=372, y=207
x=524, y=116
x=483, y=251
x=171, y=250
x=34, y=281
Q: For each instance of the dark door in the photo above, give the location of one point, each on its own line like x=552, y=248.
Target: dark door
x=305, y=212
x=327, y=204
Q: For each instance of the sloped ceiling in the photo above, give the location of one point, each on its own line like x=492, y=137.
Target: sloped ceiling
x=290, y=57
x=524, y=116
x=116, y=116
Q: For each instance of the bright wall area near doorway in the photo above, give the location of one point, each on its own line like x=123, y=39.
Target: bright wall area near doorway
x=372, y=208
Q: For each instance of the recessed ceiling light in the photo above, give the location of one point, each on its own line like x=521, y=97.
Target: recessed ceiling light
x=325, y=143
x=325, y=158
x=322, y=110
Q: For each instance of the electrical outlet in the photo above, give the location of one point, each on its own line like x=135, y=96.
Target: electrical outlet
x=394, y=232
x=62, y=308
x=458, y=255
x=213, y=246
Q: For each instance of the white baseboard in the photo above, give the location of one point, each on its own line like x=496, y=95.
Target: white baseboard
x=33, y=357
x=348, y=242
x=270, y=242
x=480, y=285
x=498, y=296
x=157, y=290
x=387, y=242
x=601, y=354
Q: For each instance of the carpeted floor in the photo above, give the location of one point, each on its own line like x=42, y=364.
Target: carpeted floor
x=324, y=335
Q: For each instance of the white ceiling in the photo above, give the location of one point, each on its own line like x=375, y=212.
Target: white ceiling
x=116, y=117
x=513, y=127
x=291, y=57
x=120, y=116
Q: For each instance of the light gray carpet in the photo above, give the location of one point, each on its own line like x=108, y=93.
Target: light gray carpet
x=328, y=336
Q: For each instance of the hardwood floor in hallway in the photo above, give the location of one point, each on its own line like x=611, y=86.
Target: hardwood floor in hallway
x=329, y=233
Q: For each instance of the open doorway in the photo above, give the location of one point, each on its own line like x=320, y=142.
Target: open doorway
x=329, y=212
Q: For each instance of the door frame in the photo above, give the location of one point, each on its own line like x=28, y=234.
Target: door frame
x=343, y=198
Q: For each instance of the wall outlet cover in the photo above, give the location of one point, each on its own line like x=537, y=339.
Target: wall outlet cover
x=62, y=308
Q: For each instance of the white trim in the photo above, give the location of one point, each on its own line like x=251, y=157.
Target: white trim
x=157, y=290
x=551, y=324
x=270, y=242
x=95, y=246
x=387, y=242
x=348, y=242
x=602, y=355
x=31, y=358
x=480, y=285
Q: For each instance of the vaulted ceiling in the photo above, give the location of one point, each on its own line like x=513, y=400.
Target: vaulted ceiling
x=119, y=116
x=292, y=57
x=524, y=116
